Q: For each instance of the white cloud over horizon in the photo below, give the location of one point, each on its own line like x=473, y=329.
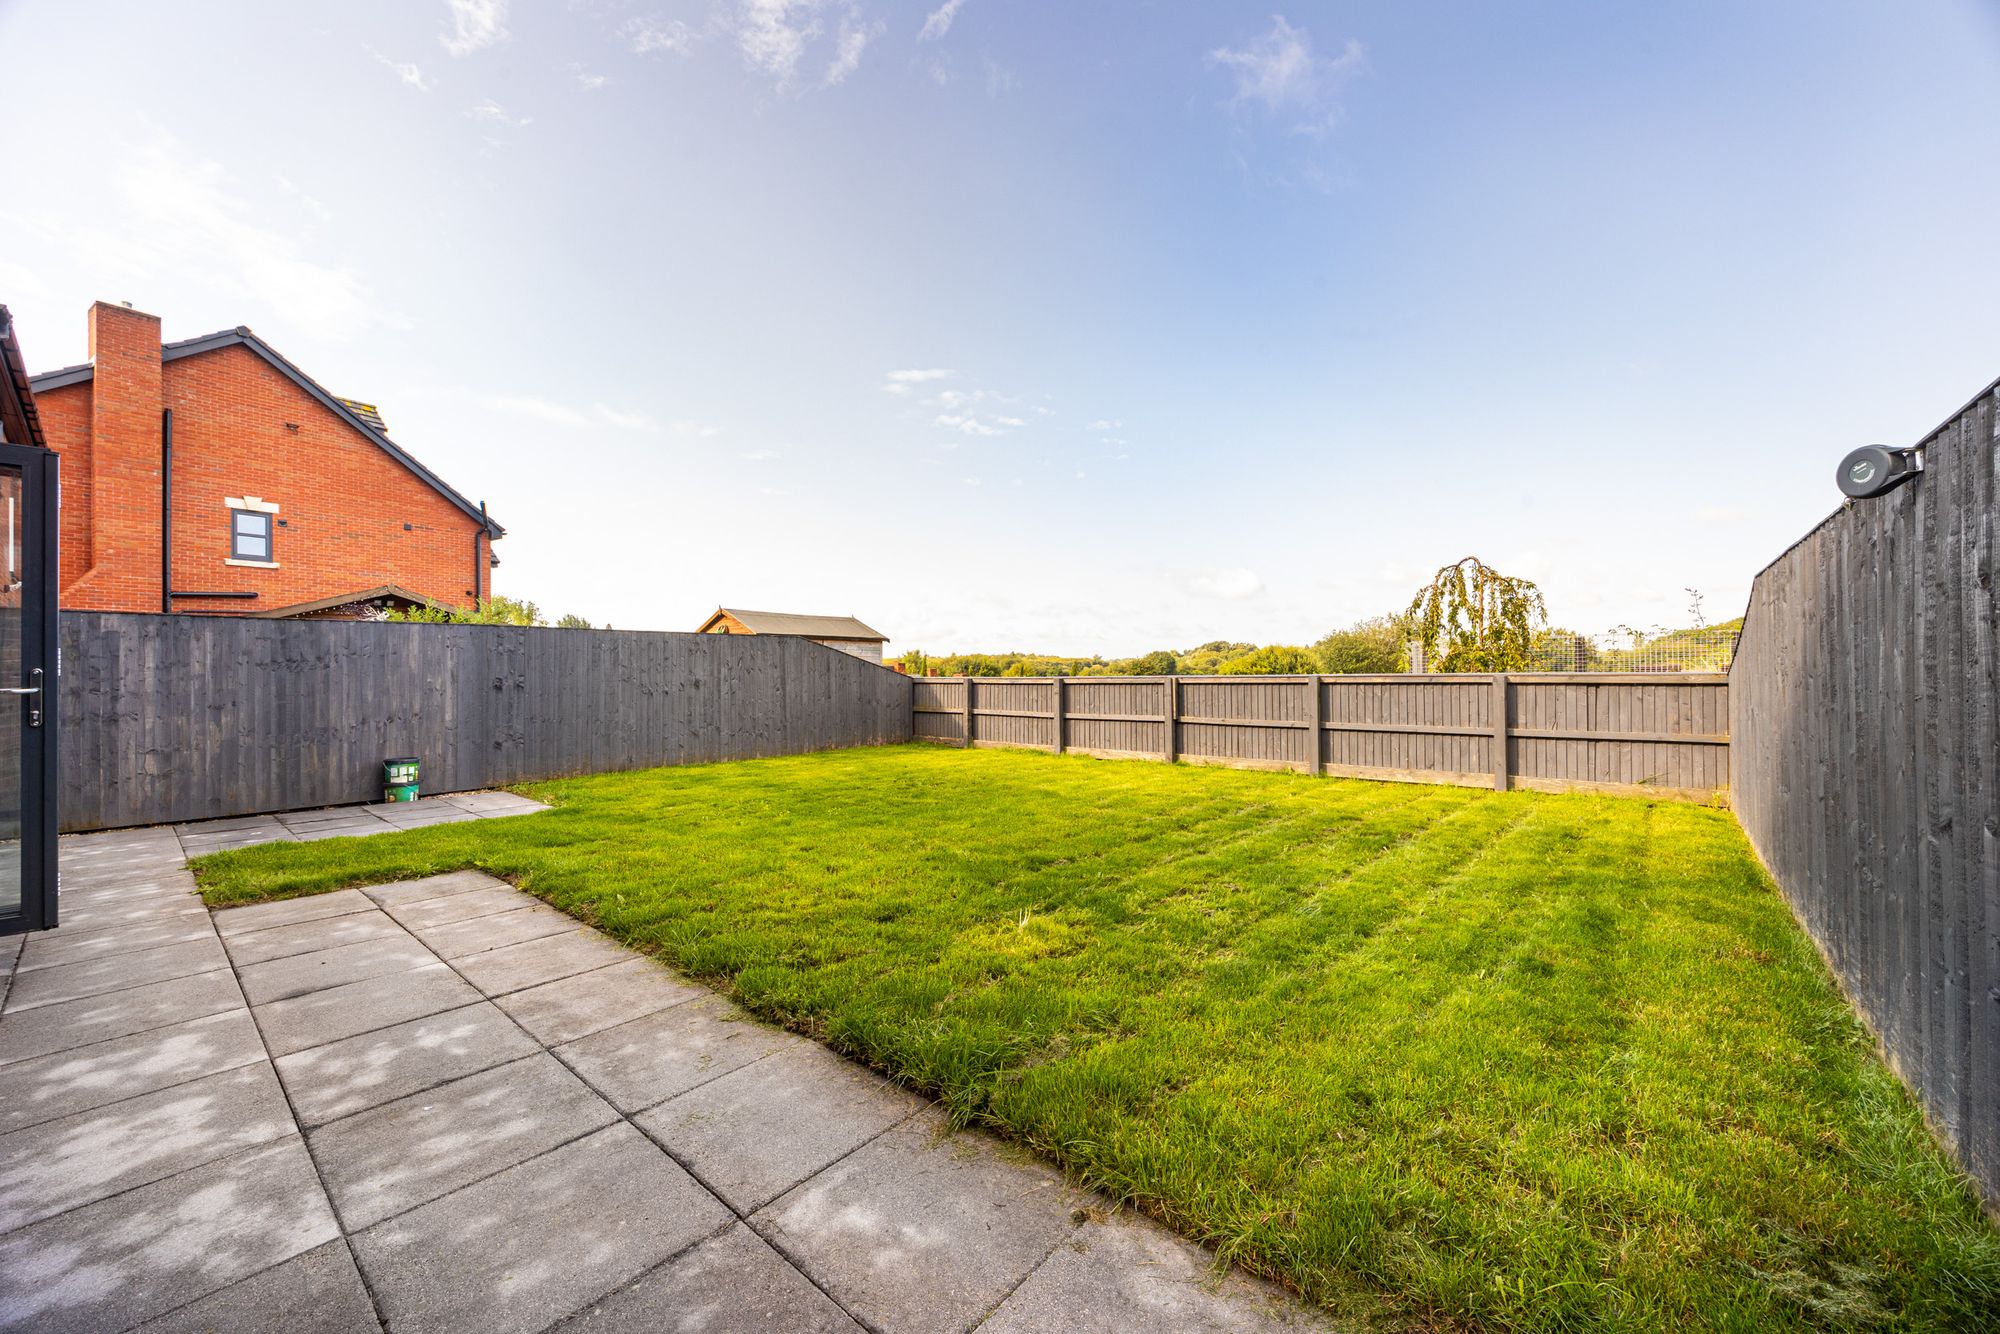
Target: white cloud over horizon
x=474, y=25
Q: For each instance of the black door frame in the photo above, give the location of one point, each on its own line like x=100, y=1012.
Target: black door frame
x=40, y=666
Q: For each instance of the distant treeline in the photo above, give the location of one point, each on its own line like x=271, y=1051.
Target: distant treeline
x=1379, y=644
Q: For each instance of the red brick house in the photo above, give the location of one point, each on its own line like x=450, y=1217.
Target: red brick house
x=212, y=475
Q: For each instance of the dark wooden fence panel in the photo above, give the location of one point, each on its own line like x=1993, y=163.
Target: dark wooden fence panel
x=1867, y=766
x=191, y=717
x=1644, y=733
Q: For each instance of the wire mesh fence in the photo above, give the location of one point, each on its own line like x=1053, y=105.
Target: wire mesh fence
x=1624, y=649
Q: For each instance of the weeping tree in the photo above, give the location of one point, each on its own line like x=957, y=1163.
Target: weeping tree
x=1472, y=618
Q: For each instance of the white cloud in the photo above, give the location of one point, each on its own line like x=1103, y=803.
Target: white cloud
x=311, y=202
x=900, y=382
x=1009, y=421
x=1104, y=424
x=588, y=81
x=1284, y=74
x=475, y=24
x=966, y=425
x=171, y=211
x=854, y=37
x=1231, y=585
x=407, y=71
x=645, y=36
x=773, y=36
x=492, y=112
x=562, y=414
x=758, y=455
x=939, y=21
x=694, y=428
x=1719, y=514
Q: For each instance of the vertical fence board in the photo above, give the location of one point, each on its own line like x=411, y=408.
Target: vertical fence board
x=1866, y=758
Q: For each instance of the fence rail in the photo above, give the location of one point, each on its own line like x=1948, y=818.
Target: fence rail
x=1867, y=687
x=1636, y=732
x=168, y=718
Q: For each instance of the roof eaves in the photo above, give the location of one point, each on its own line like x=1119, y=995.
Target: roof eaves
x=241, y=336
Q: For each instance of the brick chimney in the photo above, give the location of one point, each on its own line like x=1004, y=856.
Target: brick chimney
x=125, y=405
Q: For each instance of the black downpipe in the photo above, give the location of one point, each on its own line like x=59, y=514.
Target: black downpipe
x=484, y=527
x=167, y=510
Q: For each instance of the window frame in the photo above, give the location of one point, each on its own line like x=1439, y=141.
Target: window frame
x=268, y=537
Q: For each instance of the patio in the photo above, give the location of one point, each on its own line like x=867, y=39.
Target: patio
x=442, y=1105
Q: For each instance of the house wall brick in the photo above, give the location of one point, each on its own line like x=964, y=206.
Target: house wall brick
x=349, y=517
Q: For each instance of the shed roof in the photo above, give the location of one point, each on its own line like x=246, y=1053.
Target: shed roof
x=379, y=593
x=242, y=337
x=792, y=623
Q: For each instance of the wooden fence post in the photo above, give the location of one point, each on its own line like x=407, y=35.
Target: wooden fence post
x=1316, y=739
x=968, y=711
x=1060, y=702
x=1173, y=715
x=1500, y=765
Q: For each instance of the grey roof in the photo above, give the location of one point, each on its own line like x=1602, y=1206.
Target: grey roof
x=242, y=337
x=812, y=627
x=379, y=593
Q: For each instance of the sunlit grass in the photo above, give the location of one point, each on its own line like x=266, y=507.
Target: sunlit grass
x=1425, y=1054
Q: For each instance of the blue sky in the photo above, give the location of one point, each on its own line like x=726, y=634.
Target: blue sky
x=1070, y=328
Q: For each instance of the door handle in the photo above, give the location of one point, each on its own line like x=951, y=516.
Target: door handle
x=35, y=709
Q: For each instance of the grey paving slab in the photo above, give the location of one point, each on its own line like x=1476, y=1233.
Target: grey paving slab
x=296, y=820
x=322, y=933
x=533, y=962
x=319, y=1292
x=81, y=1078
x=132, y=891
x=318, y=833
x=76, y=944
x=25, y=1034
x=501, y=897
x=120, y=1261
x=360, y=1072
x=287, y=912
x=914, y=1234
x=1128, y=1274
x=75, y=1160
x=319, y=1017
x=73, y=981
x=522, y=1249
x=233, y=824
x=642, y=1063
x=298, y=974
x=733, y=1283
x=10, y=950
x=79, y=913
x=493, y=801
x=430, y=887
x=585, y=1003
x=477, y=935
x=408, y=1152
x=758, y=1131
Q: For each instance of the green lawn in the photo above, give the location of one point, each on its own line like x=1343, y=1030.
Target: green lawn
x=1427, y=1054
